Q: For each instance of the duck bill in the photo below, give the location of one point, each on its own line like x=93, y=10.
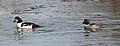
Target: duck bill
x=83, y=23
x=14, y=21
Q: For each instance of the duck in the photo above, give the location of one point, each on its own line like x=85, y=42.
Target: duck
x=90, y=27
x=21, y=24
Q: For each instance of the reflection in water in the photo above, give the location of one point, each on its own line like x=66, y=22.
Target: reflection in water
x=21, y=31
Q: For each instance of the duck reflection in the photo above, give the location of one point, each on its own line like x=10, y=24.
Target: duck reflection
x=21, y=31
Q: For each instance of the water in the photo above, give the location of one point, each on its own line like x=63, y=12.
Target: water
x=59, y=31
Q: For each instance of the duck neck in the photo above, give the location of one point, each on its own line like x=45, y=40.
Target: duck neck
x=19, y=25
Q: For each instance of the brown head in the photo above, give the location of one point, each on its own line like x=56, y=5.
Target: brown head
x=86, y=21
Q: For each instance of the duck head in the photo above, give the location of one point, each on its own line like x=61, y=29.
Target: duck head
x=17, y=19
x=86, y=21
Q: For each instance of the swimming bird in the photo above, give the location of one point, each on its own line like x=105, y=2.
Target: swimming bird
x=90, y=27
x=21, y=24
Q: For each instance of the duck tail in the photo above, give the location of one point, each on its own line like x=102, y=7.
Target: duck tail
x=36, y=26
x=102, y=26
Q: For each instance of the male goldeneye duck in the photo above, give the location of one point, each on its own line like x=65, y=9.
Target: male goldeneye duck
x=21, y=24
x=89, y=27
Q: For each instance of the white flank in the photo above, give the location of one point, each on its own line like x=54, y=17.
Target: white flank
x=19, y=26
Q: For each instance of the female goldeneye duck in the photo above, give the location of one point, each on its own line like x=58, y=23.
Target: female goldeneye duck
x=88, y=26
x=21, y=24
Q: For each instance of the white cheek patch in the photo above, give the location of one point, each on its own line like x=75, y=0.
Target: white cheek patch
x=16, y=20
